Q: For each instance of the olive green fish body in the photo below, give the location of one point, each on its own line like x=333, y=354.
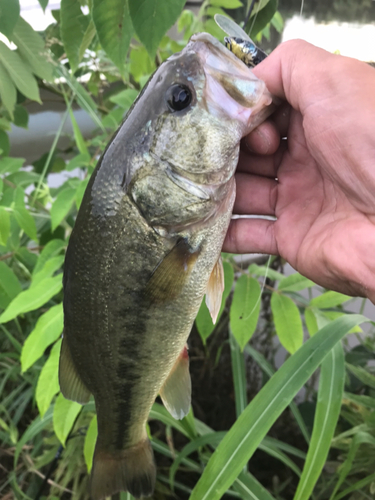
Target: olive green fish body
x=146, y=240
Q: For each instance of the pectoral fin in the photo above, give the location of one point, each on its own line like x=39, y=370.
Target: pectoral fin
x=215, y=290
x=176, y=391
x=71, y=384
x=170, y=276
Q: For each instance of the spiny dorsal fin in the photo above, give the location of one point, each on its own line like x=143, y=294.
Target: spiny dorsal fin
x=215, y=288
x=171, y=274
x=71, y=384
x=176, y=390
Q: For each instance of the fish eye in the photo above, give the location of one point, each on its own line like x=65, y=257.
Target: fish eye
x=178, y=97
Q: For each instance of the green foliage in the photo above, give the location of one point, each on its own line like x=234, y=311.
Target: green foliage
x=98, y=59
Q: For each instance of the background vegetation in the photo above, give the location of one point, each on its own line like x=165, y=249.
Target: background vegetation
x=322, y=448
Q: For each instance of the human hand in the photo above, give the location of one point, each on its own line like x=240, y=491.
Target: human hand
x=324, y=195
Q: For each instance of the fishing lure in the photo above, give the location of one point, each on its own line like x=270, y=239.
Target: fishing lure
x=239, y=42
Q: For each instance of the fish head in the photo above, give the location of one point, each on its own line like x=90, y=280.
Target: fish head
x=179, y=144
x=211, y=101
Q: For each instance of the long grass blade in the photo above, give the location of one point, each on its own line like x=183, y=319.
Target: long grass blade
x=244, y=437
x=268, y=370
x=331, y=389
x=250, y=488
x=239, y=375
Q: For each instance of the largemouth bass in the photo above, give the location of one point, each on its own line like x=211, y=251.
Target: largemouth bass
x=146, y=248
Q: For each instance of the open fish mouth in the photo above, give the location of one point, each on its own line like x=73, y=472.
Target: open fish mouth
x=232, y=90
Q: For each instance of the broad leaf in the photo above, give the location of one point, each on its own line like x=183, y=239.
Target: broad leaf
x=294, y=283
x=73, y=27
x=9, y=13
x=152, y=19
x=26, y=222
x=114, y=28
x=47, y=330
x=244, y=312
x=65, y=414
x=227, y=4
x=4, y=226
x=62, y=206
x=31, y=299
x=48, y=382
x=87, y=39
x=19, y=72
x=125, y=98
x=31, y=47
x=261, y=17
x=10, y=165
x=329, y=299
x=21, y=118
x=288, y=322
x=246, y=434
x=9, y=285
x=90, y=441
x=52, y=249
x=51, y=266
x=8, y=92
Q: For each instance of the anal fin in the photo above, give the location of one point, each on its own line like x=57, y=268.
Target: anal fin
x=215, y=288
x=176, y=390
x=71, y=384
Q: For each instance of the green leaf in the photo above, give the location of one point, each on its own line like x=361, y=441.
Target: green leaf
x=288, y=322
x=21, y=117
x=90, y=441
x=50, y=267
x=87, y=39
x=329, y=299
x=265, y=271
x=250, y=428
x=9, y=13
x=294, y=283
x=141, y=63
x=125, y=98
x=262, y=17
x=33, y=298
x=31, y=47
x=9, y=285
x=345, y=468
x=61, y=206
x=47, y=330
x=244, y=311
x=80, y=141
x=362, y=400
x=331, y=388
x=26, y=222
x=363, y=375
x=43, y=4
x=52, y=249
x=203, y=320
x=8, y=92
x=19, y=73
x=4, y=226
x=227, y=4
x=79, y=161
x=152, y=19
x=48, y=382
x=10, y=165
x=65, y=414
x=4, y=143
x=311, y=322
x=72, y=29
x=114, y=28
x=239, y=375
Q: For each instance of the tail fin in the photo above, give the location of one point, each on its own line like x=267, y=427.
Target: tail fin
x=132, y=470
